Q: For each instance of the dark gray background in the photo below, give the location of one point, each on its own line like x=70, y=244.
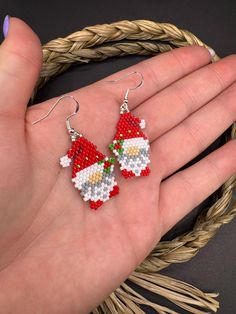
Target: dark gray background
x=213, y=269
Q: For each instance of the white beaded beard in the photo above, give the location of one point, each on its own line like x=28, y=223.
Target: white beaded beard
x=95, y=191
x=135, y=163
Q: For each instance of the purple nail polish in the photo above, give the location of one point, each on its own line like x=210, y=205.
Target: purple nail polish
x=6, y=25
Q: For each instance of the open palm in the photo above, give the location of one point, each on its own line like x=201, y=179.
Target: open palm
x=56, y=254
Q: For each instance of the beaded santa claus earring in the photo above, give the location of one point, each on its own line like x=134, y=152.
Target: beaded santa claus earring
x=92, y=172
x=130, y=144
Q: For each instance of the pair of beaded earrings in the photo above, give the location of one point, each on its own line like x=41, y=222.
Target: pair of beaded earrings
x=93, y=172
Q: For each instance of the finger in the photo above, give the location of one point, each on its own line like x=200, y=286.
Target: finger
x=20, y=63
x=186, y=189
x=158, y=72
x=188, y=139
x=172, y=105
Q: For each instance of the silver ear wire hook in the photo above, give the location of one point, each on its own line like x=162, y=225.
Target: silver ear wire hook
x=73, y=134
x=124, y=107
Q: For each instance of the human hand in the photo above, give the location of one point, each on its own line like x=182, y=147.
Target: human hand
x=56, y=254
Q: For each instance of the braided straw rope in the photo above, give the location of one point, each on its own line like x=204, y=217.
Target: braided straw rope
x=143, y=37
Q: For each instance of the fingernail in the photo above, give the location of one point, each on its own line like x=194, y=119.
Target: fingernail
x=6, y=25
x=211, y=51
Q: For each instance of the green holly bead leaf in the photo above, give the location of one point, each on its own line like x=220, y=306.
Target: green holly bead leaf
x=111, y=146
x=107, y=170
x=120, y=151
x=112, y=160
x=100, y=162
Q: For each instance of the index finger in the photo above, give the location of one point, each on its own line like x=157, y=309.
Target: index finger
x=158, y=72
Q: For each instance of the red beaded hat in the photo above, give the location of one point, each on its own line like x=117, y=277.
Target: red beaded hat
x=85, y=153
x=128, y=127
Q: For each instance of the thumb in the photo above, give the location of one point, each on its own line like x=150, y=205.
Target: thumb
x=20, y=64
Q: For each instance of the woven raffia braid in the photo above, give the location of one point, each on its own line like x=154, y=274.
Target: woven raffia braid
x=143, y=37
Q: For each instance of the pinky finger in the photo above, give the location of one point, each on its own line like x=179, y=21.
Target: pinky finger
x=188, y=188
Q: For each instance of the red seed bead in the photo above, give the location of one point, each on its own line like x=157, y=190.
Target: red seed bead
x=106, y=164
x=114, y=191
x=145, y=172
x=95, y=205
x=127, y=174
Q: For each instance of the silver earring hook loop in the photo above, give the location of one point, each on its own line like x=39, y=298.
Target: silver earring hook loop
x=71, y=130
x=124, y=107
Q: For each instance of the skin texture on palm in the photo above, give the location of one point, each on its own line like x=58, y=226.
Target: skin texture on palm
x=56, y=254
